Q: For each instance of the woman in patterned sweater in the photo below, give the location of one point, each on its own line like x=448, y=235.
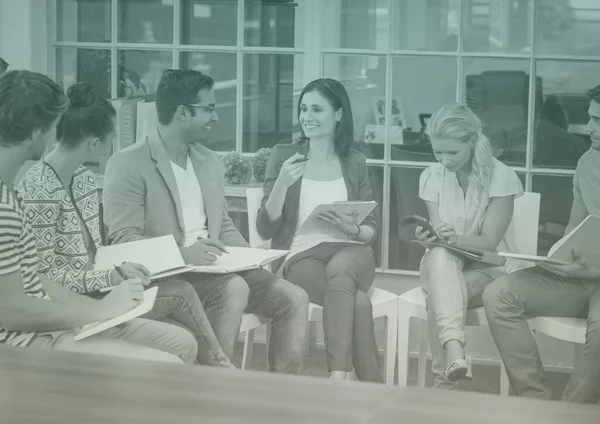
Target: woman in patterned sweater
x=61, y=201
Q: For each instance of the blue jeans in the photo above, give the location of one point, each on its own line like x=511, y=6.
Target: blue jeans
x=227, y=297
x=177, y=303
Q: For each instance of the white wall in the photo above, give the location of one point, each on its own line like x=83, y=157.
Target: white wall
x=23, y=34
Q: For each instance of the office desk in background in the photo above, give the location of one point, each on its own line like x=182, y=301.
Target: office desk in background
x=44, y=386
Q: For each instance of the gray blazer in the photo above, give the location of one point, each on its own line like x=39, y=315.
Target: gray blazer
x=281, y=231
x=141, y=199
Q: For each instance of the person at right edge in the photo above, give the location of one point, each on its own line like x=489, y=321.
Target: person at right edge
x=336, y=269
x=554, y=290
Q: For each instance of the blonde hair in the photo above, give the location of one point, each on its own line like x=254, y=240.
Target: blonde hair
x=458, y=122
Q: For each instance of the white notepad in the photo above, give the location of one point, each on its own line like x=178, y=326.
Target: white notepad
x=143, y=307
x=585, y=238
x=159, y=254
x=312, y=225
x=241, y=259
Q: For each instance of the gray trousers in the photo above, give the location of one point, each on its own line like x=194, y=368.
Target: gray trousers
x=337, y=276
x=512, y=299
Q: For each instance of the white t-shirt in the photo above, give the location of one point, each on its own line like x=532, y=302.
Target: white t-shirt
x=465, y=212
x=192, y=203
x=312, y=194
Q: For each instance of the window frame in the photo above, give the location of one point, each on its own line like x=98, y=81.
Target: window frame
x=313, y=56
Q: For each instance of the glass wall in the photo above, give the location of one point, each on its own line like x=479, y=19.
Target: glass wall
x=523, y=66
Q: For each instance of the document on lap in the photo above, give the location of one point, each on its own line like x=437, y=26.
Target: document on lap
x=159, y=254
x=313, y=225
x=162, y=258
x=241, y=259
x=143, y=307
x=491, y=258
x=583, y=238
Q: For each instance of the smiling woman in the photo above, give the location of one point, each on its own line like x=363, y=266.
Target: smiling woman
x=336, y=268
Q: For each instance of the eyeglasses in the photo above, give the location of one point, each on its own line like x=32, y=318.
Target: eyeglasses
x=207, y=108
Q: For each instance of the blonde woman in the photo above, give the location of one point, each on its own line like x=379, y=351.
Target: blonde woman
x=470, y=198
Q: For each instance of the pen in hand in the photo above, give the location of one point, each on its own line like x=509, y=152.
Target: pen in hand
x=120, y=272
x=215, y=243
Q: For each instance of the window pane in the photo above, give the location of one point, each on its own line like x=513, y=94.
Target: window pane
x=84, y=65
x=272, y=84
x=561, y=112
x=222, y=68
x=420, y=86
x=568, y=27
x=140, y=71
x=364, y=79
x=376, y=182
x=404, y=202
x=497, y=26
x=555, y=208
x=497, y=91
x=426, y=25
x=146, y=21
x=355, y=24
x=87, y=21
x=274, y=23
x=207, y=22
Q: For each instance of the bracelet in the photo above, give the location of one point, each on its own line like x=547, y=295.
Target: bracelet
x=357, y=233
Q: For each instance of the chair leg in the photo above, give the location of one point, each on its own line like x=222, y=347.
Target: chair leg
x=248, y=347
x=312, y=338
x=391, y=331
x=504, y=383
x=402, y=361
x=267, y=345
x=422, y=358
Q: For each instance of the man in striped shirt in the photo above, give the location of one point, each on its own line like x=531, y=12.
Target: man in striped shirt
x=38, y=312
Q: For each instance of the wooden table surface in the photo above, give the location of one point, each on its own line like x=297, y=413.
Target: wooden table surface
x=64, y=388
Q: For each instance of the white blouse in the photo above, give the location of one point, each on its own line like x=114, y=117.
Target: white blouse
x=465, y=212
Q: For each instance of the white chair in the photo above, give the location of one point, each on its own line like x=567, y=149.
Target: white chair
x=568, y=329
x=251, y=322
x=412, y=303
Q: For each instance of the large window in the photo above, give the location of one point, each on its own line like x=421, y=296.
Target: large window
x=522, y=65
x=253, y=50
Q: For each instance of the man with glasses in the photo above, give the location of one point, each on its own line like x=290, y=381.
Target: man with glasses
x=170, y=184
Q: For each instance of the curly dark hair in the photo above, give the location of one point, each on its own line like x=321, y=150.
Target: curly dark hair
x=594, y=93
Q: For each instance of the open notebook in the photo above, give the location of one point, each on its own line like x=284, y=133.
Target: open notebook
x=241, y=259
x=584, y=238
x=491, y=258
x=143, y=307
x=159, y=254
x=312, y=225
x=162, y=258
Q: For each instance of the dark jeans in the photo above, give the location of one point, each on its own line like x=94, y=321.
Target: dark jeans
x=177, y=303
x=227, y=297
x=337, y=276
x=534, y=292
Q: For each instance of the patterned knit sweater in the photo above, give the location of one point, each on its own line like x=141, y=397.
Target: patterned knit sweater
x=57, y=218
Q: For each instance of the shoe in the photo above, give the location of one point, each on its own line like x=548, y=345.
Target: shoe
x=459, y=370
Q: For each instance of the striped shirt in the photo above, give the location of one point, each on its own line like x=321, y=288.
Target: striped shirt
x=17, y=254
